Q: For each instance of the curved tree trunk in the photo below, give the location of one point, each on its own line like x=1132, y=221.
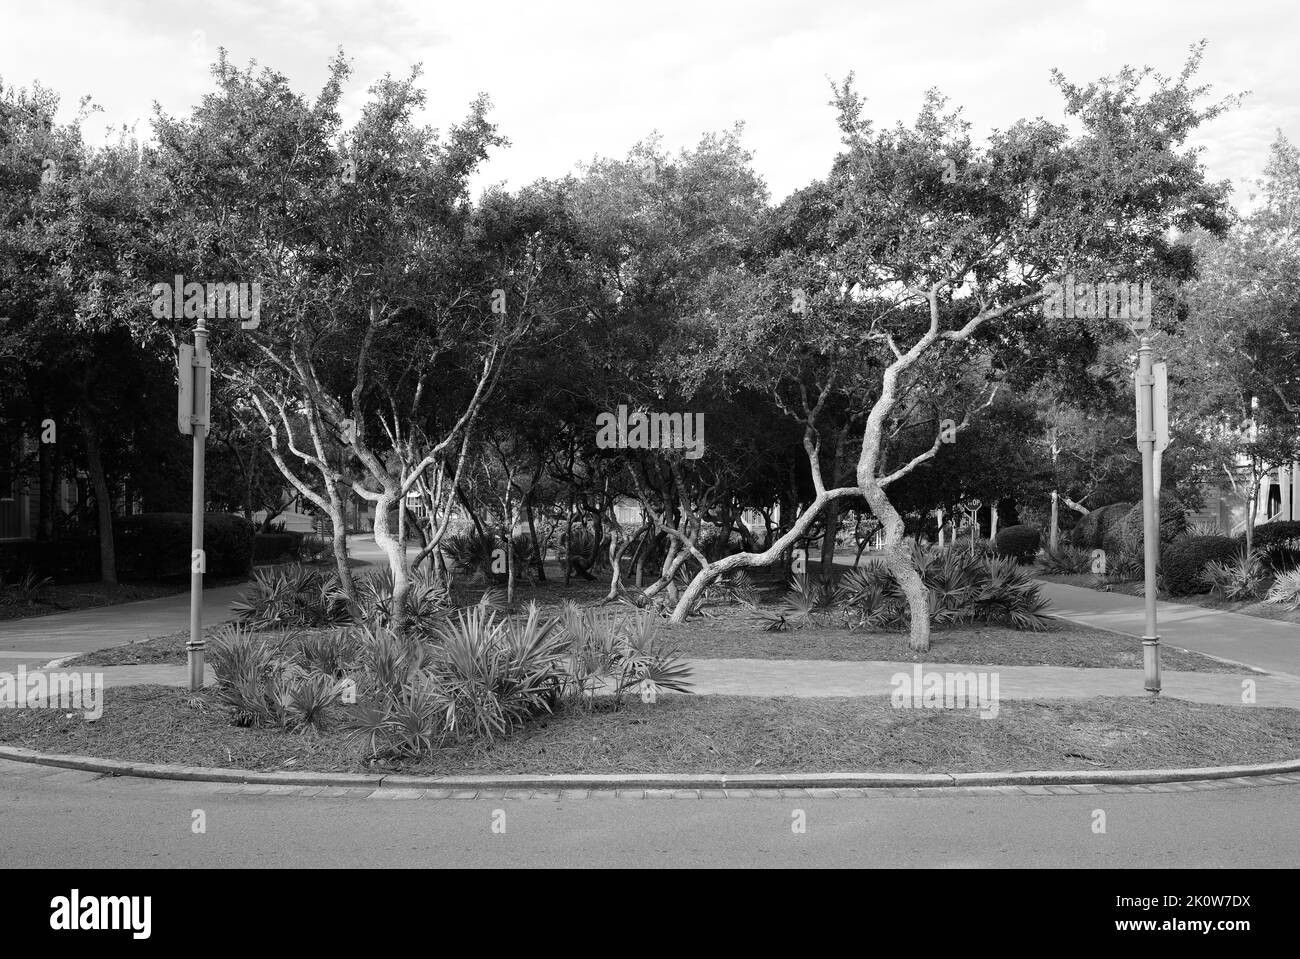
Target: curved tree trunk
x=898, y=560
x=771, y=556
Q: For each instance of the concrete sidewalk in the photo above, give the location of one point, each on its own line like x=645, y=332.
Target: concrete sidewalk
x=1265, y=643
x=804, y=678
x=37, y=641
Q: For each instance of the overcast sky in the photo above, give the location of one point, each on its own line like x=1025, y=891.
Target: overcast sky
x=574, y=79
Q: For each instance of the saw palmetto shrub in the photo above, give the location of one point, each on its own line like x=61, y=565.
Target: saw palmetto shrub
x=961, y=589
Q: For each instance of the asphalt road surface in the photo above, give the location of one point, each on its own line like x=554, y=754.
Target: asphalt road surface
x=59, y=818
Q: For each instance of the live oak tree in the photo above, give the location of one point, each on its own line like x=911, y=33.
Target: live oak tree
x=1237, y=356
x=390, y=304
x=74, y=240
x=942, y=241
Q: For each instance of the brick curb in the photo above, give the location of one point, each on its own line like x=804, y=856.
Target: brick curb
x=216, y=774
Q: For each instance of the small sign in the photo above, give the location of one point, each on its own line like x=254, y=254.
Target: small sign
x=192, y=405
x=1160, y=395
x=185, y=389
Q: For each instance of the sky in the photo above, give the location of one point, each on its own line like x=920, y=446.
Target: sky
x=573, y=80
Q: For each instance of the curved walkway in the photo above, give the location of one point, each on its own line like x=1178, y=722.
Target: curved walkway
x=831, y=678
x=1265, y=643
x=42, y=639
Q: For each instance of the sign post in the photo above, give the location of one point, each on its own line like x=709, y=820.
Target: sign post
x=1152, y=431
x=193, y=418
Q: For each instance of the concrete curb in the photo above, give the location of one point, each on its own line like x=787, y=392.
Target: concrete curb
x=116, y=767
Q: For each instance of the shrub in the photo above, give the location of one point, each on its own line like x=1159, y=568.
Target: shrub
x=335, y=654
x=1008, y=595
x=1285, y=589
x=1276, y=543
x=1240, y=578
x=157, y=545
x=618, y=651
x=263, y=688
x=1183, y=561
x=469, y=552
x=495, y=673
x=1090, y=531
x=26, y=590
x=1067, y=560
x=311, y=546
x=1018, y=542
x=711, y=544
x=961, y=589
x=271, y=546
x=291, y=596
x=428, y=597
x=1127, y=535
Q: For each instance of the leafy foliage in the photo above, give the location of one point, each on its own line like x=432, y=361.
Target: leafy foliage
x=1018, y=542
x=292, y=596
x=1067, y=560
x=1285, y=590
x=1241, y=578
x=1183, y=561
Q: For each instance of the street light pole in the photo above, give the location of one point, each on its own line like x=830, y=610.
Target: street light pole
x=198, y=562
x=1145, y=383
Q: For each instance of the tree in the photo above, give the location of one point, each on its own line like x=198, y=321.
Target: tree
x=938, y=261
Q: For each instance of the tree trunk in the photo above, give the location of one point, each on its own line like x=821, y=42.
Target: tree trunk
x=617, y=547
x=568, y=543
x=45, y=487
x=898, y=560
x=396, y=553
x=828, y=538
x=1054, y=534
x=103, y=499
x=339, y=542
x=539, y=557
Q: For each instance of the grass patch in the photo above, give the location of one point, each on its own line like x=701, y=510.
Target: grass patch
x=719, y=734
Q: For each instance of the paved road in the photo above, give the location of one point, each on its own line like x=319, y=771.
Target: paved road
x=71, y=819
x=1268, y=644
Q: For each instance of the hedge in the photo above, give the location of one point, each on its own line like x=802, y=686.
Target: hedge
x=1090, y=532
x=1279, y=542
x=1181, y=561
x=1126, y=536
x=271, y=546
x=1018, y=541
x=157, y=545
